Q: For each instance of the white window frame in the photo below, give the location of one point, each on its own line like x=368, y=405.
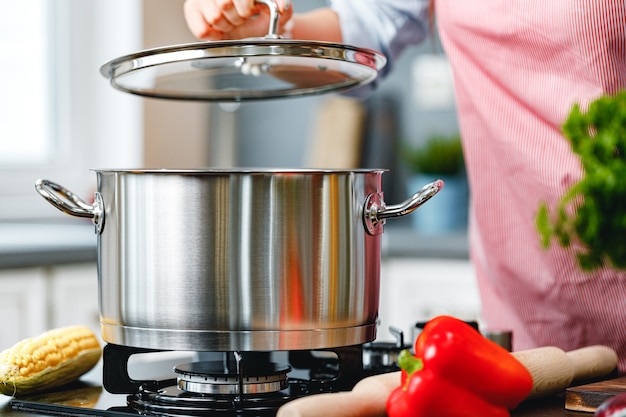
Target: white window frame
x=97, y=127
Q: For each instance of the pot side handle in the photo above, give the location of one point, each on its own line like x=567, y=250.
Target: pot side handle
x=376, y=212
x=69, y=203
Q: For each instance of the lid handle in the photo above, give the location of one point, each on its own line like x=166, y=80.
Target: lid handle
x=274, y=15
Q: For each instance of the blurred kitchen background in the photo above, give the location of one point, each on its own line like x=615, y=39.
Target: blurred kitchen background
x=60, y=118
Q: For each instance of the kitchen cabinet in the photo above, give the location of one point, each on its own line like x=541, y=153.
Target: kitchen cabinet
x=74, y=296
x=23, y=301
x=39, y=298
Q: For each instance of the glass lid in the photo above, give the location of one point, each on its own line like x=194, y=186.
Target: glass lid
x=242, y=70
x=249, y=69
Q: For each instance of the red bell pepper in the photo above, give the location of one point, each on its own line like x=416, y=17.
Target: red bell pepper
x=455, y=371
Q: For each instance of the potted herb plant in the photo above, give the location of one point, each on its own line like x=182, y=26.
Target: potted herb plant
x=440, y=157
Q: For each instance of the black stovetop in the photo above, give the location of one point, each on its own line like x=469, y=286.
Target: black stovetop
x=84, y=397
x=88, y=397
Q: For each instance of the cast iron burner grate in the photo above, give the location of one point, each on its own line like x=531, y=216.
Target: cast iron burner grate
x=171, y=401
x=252, y=385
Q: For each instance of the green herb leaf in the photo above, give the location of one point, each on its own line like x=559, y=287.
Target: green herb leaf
x=593, y=211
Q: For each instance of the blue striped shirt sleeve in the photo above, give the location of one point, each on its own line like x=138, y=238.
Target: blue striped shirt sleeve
x=387, y=26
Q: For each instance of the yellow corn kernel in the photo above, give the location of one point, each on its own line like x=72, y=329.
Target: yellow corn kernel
x=49, y=360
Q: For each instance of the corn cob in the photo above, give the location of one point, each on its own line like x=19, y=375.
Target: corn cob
x=54, y=358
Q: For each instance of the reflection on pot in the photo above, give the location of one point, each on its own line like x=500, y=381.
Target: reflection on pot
x=227, y=260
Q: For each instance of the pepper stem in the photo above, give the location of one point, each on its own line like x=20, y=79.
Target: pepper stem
x=409, y=363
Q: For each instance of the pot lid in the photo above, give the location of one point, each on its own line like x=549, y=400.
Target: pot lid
x=248, y=69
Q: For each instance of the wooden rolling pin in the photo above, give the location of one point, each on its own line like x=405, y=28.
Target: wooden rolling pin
x=552, y=369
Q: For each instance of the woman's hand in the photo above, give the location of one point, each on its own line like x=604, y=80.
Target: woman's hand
x=232, y=19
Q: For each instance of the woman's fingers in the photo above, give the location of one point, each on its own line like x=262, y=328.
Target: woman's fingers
x=244, y=8
x=233, y=13
x=230, y=19
x=195, y=20
x=210, y=19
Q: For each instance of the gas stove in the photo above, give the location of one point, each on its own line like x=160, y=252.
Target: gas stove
x=136, y=381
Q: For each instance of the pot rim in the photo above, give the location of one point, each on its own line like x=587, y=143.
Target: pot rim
x=239, y=170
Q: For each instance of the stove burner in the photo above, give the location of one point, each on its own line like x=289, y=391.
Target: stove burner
x=240, y=384
x=171, y=401
x=246, y=384
x=215, y=377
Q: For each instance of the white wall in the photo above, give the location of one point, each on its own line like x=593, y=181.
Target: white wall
x=414, y=289
x=176, y=133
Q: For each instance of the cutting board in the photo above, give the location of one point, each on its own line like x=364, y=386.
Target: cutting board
x=588, y=397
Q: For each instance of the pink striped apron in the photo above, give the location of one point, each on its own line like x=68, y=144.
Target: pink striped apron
x=519, y=67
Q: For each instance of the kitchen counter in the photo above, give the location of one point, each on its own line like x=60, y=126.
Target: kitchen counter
x=25, y=244
x=545, y=407
x=550, y=407
x=403, y=242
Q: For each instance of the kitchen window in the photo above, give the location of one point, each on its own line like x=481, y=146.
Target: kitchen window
x=26, y=68
x=59, y=118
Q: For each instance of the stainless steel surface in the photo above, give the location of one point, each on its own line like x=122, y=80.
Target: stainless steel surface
x=70, y=203
x=272, y=31
x=224, y=260
x=376, y=212
x=249, y=69
x=385, y=354
x=232, y=383
x=239, y=70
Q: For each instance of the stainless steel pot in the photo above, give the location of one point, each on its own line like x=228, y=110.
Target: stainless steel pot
x=226, y=260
